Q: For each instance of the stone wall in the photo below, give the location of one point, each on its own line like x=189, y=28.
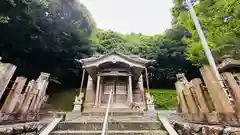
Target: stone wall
x=201, y=129
x=22, y=129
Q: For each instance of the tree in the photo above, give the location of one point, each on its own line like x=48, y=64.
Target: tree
x=167, y=51
x=220, y=21
x=46, y=36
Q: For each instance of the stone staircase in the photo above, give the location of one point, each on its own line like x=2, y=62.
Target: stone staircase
x=121, y=122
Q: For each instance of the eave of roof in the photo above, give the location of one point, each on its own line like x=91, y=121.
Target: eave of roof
x=129, y=57
x=228, y=63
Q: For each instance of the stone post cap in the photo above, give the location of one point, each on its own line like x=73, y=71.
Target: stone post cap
x=44, y=74
x=81, y=95
x=180, y=75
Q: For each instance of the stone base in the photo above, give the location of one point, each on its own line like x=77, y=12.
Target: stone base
x=77, y=107
x=151, y=107
x=70, y=116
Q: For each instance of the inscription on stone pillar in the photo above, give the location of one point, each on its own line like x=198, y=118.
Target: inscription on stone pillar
x=28, y=96
x=14, y=95
x=41, y=85
x=220, y=99
x=6, y=72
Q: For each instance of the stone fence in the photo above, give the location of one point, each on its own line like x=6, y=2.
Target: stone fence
x=20, y=101
x=210, y=101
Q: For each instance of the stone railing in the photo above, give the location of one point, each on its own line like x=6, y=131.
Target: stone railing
x=106, y=118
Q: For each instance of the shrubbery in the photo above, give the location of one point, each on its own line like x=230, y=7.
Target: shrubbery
x=164, y=99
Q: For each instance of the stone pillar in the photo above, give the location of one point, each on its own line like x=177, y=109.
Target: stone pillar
x=234, y=88
x=6, y=72
x=181, y=99
x=28, y=96
x=130, y=98
x=219, y=98
x=192, y=107
x=90, y=94
x=97, y=90
x=42, y=83
x=33, y=100
x=14, y=95
x=203, y=107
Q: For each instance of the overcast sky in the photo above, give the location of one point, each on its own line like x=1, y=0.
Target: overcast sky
x=126, y=16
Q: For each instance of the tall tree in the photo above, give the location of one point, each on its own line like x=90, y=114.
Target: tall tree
x=220, y=21
x=45, y=36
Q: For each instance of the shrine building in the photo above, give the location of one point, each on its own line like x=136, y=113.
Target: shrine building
x=121, y=73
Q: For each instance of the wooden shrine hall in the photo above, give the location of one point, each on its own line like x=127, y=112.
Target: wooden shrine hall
x=116, y=71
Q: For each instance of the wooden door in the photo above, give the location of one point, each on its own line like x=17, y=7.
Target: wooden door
x=106, y=91
x=121, y=92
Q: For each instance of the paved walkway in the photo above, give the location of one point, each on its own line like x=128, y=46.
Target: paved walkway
x=163, y=116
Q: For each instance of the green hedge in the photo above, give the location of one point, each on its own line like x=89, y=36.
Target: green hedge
x=164, y=99
x=63, y=100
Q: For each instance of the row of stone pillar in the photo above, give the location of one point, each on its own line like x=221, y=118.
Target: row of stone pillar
x=196, y=97
x=28, y=100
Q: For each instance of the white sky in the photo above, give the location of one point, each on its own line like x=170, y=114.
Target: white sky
x=126, y=16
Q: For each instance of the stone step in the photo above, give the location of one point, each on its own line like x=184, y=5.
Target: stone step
x=119, y=125
x=110, y=132
x=128, y=109
x=115, y=113
x=111, y=118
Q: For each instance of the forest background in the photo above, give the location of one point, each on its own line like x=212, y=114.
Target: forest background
x=47, y=36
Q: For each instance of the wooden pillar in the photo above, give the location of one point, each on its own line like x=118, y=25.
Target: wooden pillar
x=97, y=90
x=141, y=87
x=203, y=107
x=100, y=92
x=81, y=87
x=235, y=89
x=130, y=98
x=146, y=72
x=219, y=98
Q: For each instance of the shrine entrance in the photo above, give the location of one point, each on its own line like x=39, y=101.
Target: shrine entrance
x=119, y=87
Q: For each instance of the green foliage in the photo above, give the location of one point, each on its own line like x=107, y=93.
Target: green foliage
x=167, y=51
x=45, y=36
x=63, y=100
x=220, y=20
x=164, y=99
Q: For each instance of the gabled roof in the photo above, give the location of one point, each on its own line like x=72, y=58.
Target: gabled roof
x=130, y=58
